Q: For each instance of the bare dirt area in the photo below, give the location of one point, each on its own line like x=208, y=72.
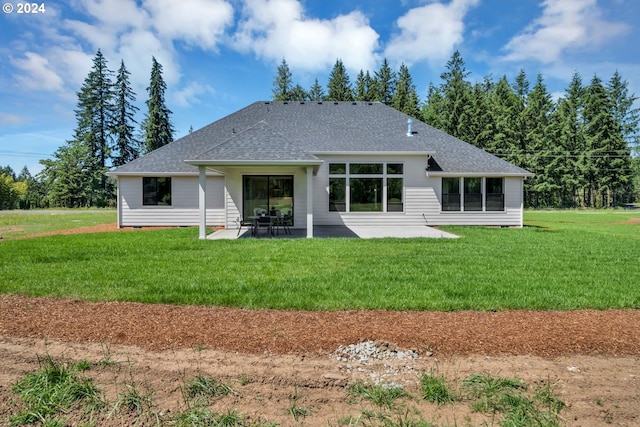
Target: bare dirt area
x=284, y=363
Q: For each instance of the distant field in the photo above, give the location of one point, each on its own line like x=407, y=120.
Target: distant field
x=562, y=260
x=15, y=224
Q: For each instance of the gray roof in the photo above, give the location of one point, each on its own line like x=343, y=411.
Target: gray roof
x=280, y=131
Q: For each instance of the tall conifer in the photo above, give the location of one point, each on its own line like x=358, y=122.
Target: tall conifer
x=157, y=124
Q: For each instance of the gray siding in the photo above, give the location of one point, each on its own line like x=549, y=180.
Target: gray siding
x=184, y=209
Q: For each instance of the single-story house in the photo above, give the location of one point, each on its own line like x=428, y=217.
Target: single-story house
x=324, y=163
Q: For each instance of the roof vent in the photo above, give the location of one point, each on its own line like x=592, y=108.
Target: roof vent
x=409, y=124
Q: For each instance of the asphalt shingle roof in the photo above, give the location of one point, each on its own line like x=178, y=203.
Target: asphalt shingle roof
x=296, y=131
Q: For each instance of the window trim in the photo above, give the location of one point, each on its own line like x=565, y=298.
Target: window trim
x=384, y=176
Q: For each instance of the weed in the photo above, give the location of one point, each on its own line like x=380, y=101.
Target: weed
x=296, y=410
x=134, y=400
x=55, y=388
x=382, y=395
x=206, y=387
x=434, y=389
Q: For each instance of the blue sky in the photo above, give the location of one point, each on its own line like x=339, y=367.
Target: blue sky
x=221, y=55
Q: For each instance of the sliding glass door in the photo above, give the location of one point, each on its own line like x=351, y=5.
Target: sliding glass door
x=267, y=193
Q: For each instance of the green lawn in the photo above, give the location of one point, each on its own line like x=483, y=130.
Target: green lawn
x=16, y=224
x=563, y=260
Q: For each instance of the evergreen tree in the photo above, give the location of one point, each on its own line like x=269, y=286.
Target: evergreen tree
x=95, y=121
x=478, y=121
x=297, y=93
x=456, y=92
x=433, y=109
x=385, y=83
x=405, y=97
x=339, y=85
x=503, y=104
x=539, y=147
x=316, y=92
x=363, y=87
x=568, y=132
x=282, y=83
x=624, y=111
x=157, y=124
x=126, y=144
x=609, y=170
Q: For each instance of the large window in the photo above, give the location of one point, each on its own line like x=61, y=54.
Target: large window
x=156, y=191
x=267, y=193
x=478, y=195
x=366, y=187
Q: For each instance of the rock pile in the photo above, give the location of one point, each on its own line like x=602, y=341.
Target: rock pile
x=364, y=351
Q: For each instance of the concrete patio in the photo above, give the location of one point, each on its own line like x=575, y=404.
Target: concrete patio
x=332, y=231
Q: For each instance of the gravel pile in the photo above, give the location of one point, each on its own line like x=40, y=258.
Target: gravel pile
x=365, y=351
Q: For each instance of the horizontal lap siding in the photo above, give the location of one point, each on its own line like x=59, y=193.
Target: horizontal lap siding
x=184, y=197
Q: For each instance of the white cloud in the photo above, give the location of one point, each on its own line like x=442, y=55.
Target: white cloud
x=276, y=29
x=564, y=25
x=430, y=32
x=198, y=22
x=190, y=94
x=37, y=73
x=7, y=119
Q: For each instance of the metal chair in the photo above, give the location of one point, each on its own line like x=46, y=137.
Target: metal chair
x=264, y=222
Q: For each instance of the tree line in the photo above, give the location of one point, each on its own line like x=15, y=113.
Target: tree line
x=579, y=146
x=105, y=136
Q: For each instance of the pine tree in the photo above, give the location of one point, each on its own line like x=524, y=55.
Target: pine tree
x=126, y=144
x=455, y=91
x=609, y=168
x=316, y=92
x=477, y=120
x=385, y=82
x=433, y=109
x=282, y=83
x=297, y=93
x=624, y=111
x=95, y=121
x=503, y=104
x=405, y=97
x=157, y=124
x=339, y=85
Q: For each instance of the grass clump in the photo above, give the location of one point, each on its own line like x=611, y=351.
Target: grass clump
x=510, y=397
x=434, y=389
x=382, y=395
x=56, y=388
x=206, y=387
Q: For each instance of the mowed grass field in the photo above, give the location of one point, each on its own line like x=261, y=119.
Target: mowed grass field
x=562, y=260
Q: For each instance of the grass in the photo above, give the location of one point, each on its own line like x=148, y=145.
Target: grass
x=563, y=261
x=382, y=395
x=23, y=223
x=434, y=389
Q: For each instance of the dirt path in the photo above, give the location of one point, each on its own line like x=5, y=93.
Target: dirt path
x=275, y=360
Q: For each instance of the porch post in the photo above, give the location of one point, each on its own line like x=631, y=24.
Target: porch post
x=309, y=201
x=202, y=201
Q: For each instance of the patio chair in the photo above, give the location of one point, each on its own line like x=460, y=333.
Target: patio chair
x=264, y=222
x=245, y=223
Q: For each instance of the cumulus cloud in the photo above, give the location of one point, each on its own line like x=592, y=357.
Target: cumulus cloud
x=564, y=25
x=36, y=73
x=430, y=32
x=191, y=94
x=276, y=29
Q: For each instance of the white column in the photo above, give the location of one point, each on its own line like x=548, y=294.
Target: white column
x=309, y=201
x=119, y=202
x=202, y=201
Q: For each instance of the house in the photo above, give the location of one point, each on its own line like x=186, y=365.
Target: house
x=325, y=163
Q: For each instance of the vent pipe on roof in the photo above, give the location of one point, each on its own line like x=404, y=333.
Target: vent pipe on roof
x=409, y=124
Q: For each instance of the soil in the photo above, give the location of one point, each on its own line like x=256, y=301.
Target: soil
x=281, y=363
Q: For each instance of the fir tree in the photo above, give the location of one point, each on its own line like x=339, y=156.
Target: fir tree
x=433, y=109
x=297, y=93
x=282, y=83
x=405, y=98
x=316, y=92
x=157, y=124
x=385, y=82
x=125, y=143
x=339, y=85
x=624, y=111
x=503, y=104
x=455, y=91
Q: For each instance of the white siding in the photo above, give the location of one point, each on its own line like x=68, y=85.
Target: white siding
x=184, y=203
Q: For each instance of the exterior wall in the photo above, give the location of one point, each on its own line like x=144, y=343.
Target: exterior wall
x=233, y=191
x=184, y=203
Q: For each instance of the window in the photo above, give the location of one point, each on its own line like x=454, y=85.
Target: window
x=473, y=194
x=495, y=194
x=156, y=191
x=479, y=194
x=267, y=193
x=366, y=187
x=450, y=194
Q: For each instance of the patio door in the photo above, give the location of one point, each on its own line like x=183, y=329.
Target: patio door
x=267, y=193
